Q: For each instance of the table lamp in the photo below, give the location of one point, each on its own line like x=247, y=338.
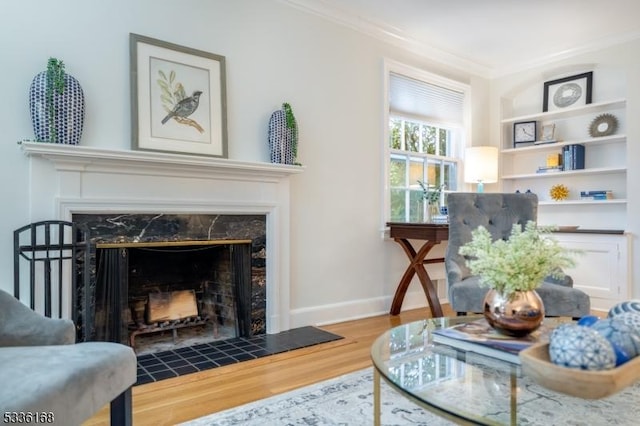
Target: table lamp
x=481, y=165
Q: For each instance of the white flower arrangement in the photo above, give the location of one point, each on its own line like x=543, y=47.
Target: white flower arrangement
x=518, y=264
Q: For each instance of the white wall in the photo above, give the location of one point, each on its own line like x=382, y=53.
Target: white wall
x=331, y=75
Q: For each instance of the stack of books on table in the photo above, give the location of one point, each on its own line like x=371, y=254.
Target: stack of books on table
x=596, y=195
x=479, y=337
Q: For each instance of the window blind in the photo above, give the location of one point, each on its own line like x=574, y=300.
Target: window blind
x=430, y=102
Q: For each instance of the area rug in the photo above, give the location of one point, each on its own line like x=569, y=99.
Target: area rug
x=346, y=400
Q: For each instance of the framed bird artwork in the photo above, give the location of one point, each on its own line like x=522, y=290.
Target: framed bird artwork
x=178, y=98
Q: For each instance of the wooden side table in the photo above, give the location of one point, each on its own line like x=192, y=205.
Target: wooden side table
x=432, y=234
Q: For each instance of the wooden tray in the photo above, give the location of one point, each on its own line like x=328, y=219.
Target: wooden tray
x=581, y=383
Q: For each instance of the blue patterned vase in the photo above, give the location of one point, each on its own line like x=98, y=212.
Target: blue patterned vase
x=65, y=124
x=283, y=136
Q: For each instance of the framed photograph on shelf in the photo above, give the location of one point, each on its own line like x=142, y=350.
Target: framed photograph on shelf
x=178, y=98
x=548, y=132
x=568, y=91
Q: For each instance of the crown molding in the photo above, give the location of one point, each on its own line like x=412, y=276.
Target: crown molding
x=397, y=37
x=600, y=44
x=388, y=34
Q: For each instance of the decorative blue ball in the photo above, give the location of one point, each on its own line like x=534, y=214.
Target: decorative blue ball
x=575, y=346
x=620, y=335
x=632, y=319
x=622, y=307
x=588, y=320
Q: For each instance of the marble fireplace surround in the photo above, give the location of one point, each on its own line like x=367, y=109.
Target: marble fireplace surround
x=67, y=179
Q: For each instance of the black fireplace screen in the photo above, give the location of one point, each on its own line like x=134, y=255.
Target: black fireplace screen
x=131, y=277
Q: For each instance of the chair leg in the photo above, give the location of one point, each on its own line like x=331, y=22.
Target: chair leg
x=121, y=414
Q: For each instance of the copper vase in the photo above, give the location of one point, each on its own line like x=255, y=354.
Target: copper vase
x=517, y=314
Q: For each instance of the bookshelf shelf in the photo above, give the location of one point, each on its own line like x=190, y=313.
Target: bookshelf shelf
x=582, y=172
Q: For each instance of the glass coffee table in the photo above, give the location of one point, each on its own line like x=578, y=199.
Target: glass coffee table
x=468, y=388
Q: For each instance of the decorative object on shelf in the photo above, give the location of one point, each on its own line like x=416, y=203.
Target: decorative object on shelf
x=603, y=125
x=524, y=132
x=178, y=98
x=56, y=101
x=481, y=165
x=548, y=133
x=568, y=228
x=554, y=160
x=559, y=192
x=431, y=196
x=283, y=136
x=568, y=91
x=510, y=267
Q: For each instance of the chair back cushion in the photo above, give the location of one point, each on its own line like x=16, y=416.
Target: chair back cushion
x=497, y=212
x=21, y=326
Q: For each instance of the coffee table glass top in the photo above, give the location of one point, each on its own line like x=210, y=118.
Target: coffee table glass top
x=471, y=388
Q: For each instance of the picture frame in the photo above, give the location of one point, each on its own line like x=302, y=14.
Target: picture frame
x=178, y=98
x=572, y=91
x=548, y=132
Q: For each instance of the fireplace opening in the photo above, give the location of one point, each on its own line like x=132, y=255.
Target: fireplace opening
x=160, y=296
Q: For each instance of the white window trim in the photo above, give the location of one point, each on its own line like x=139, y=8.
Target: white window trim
x=390, y=66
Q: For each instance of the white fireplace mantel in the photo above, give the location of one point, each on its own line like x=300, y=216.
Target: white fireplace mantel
x=68, y=179
x=78, y=158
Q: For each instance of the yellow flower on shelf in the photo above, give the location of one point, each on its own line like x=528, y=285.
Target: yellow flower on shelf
x=559, y=192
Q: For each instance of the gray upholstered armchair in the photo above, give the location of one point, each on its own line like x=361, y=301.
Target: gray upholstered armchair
x=44, y=373
x=498, y=212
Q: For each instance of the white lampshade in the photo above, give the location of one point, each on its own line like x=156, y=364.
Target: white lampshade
x=481, y=165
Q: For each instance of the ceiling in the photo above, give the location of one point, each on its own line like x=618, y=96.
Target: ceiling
x=489, y=37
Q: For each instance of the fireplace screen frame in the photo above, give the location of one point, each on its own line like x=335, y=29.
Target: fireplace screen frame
x=112, y=283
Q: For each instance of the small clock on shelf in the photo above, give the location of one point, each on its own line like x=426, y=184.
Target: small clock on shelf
x=524, y=132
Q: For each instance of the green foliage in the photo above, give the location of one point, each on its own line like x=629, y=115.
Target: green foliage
x=519, y=263
x=292, y=125
x=172, y=91
x=291, y=120
x=431, y=193
x=55, y=75
x=55, y=83
x=395, y=135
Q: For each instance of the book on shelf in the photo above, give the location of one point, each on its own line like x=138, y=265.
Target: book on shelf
x=479, y=337
x=596, y=195
x=550, y=169
x=573, y=157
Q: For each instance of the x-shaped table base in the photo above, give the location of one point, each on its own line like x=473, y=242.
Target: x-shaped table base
x=433, y=234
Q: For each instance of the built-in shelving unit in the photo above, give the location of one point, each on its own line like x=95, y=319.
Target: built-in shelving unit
x=602, y=270
x=605, y=165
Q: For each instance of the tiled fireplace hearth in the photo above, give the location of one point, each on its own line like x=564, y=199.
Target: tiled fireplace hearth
x=128, y=196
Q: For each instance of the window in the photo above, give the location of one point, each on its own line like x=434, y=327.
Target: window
x=426, y=139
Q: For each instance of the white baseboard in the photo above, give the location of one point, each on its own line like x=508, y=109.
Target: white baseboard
x=352, y=310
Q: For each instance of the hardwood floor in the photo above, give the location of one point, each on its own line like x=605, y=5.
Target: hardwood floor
x=195, y=395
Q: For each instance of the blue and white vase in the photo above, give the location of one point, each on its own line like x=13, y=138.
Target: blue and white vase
x=66, y=123
x=283, y=136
